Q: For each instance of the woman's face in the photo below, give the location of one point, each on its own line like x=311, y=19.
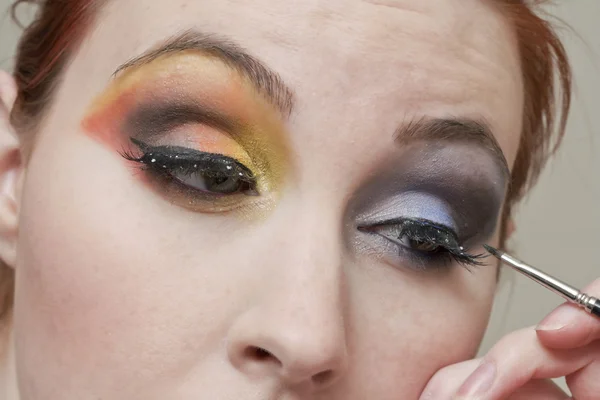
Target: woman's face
x=273, y=200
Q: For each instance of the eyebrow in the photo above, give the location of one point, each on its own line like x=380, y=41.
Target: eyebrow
x=454, y=129
x=265, y=80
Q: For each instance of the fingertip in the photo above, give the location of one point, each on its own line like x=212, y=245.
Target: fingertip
x=554, y=338
x=565, y=337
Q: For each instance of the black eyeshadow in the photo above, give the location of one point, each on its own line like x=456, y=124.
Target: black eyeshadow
x=154, y=119
x=464, y=176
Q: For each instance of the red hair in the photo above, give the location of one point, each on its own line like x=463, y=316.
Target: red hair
x=61, y=25
x=44, y=49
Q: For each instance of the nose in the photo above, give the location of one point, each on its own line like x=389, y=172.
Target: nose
x=295, y=328
x=292, y=349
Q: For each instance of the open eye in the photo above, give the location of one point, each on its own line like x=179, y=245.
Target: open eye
x=419, y=245
x=424, y=239
x=198, y=173
x=419, y=235
x=213, y=182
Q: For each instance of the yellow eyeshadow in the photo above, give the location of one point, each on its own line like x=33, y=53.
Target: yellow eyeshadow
x=259, y=141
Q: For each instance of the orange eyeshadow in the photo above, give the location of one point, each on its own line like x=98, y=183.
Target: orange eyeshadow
x=104, y=124
x=199, y=81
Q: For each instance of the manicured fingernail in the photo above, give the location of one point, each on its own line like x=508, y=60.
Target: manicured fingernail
x=479, y=382
x=560, y=318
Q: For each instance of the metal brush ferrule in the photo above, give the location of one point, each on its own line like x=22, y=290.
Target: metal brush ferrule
x=587, y=301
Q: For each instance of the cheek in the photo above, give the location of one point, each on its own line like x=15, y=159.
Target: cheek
x=108, y=288
x=95, y=269
x=411, y=326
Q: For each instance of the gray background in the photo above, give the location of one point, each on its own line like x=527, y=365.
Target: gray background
x=558, y=227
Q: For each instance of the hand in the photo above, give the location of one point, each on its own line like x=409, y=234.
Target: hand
x=566, y=343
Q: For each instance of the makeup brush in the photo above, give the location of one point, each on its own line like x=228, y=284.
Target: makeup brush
x=589, y=303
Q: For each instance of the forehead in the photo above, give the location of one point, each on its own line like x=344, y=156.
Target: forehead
x=400, y=58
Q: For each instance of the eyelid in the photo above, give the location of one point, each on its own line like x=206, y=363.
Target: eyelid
x=423, y=221
x=401, y=224
x=210, y=130
x=411, y=204
x=164, y=128
x=179, y=156
x=155, y=119
x=163, y=172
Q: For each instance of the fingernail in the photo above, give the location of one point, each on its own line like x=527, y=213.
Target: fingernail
x=559, y=318
x=479, y=382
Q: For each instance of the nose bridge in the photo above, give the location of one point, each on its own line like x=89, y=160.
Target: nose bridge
x=310, y=294
x=312, y=253
x=297, y=321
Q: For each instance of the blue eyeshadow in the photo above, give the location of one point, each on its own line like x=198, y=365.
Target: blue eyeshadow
x=413, y=205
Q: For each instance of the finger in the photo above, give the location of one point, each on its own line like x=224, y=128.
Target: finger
x=585, y=384
x=519, y=358
x=569, y=326
x=540, y=390
x=445, y=383
x=447, y=380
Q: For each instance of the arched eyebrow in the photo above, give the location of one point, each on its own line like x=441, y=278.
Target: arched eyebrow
x=271, y=85
x=264, y=79
x=465, y=130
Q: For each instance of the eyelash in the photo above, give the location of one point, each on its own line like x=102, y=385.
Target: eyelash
x=166, y=162
x=443, y=240
x=174, y=162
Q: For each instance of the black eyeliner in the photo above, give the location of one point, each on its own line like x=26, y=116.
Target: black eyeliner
x=170, y=161
x=444, y=240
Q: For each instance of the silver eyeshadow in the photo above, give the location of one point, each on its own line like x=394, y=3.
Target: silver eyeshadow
x=411, y=205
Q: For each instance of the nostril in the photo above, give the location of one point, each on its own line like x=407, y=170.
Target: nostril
x=322, y=377
x=261, y=355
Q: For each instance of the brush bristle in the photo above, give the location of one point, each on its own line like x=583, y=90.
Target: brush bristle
x=495, y=252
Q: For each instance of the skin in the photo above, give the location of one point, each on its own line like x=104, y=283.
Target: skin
x=146, y=299
x=564, y=344
x=257, y=143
